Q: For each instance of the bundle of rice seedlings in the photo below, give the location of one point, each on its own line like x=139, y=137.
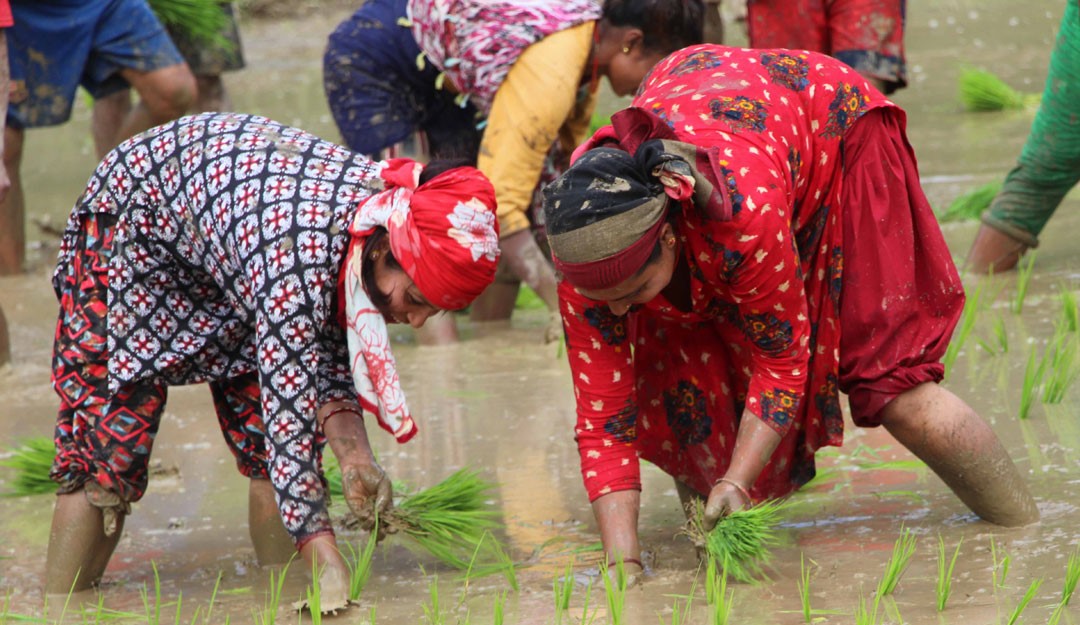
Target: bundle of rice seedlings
x=200, y=20
x=453, y=522
x=742, y=541
x=971, y=205
x=31, y=460
x=981, y=90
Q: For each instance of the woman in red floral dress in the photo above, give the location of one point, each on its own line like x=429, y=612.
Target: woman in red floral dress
x=743, y=244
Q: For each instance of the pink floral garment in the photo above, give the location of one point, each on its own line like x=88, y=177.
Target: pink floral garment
x=763, y=332
x=475, y=42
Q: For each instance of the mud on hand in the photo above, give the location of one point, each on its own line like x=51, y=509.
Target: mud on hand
x=370, y=494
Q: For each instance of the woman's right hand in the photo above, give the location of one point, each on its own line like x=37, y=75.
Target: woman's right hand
x=369, y=493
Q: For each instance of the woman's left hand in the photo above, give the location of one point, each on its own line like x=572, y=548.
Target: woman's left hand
x=724, y=498
x=369, y=493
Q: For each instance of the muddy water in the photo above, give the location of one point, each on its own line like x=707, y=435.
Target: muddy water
x=503, y=403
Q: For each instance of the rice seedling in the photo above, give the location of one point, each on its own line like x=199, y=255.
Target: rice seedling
x=268, y=614
x=903, y=550
x=359, y=561
x=31, y=460
x=970, y=205
x=433, y=611
x=499, y=612
x=1001, y=334
x=201, y=20
x=1060, y=364
x=1025, y=600
x=1055, y=616
x=313, y=595
x=563, y=589
x=1072, y=576
x=680, y=614
x=153, y=613
x=963, y=328
x=722, y=600
x=740, y=542
x=1001, y=564
x=1070, y=312
x=1033, y=375
x=587, y=617
x=1023, y=280
x=865, y=615
x=615, y=590
x=981, y=90
x=944, y=573
x=804, y=589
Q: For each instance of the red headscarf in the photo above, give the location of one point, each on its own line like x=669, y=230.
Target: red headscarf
x=446, y=238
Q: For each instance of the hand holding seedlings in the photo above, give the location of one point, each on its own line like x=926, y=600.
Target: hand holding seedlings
x=369, y=493
x=727, y=496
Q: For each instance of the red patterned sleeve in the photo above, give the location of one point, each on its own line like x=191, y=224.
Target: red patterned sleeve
x=598, y=346
x=765, y=281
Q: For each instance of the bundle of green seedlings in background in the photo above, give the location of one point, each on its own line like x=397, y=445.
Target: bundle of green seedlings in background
x=741, y=543
x=981, y=90
x=31, y=459
x=971, y=205
x=201, y=21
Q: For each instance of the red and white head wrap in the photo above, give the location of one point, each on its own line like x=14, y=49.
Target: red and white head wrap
x=445, y=236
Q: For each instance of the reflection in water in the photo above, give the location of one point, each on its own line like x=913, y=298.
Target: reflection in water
x=502, y=402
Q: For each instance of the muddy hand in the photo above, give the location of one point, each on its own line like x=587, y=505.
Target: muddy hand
x=723, y=500
x=368, y=492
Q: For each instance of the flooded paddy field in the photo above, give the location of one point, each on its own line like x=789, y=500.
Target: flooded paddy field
x=502, y=402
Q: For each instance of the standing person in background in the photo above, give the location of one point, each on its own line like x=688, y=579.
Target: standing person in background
x=530, y=70
x=233, y=250
x=5, y=181
x=57, y=45
x=868, y=35
x=743, y=244
x=1048, y=167
x=208, y=59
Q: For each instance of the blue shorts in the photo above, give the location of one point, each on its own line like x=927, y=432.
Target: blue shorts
x=379, y=97
x=57, y=45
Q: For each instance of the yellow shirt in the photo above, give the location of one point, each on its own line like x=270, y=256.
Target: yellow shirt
x=535, y=106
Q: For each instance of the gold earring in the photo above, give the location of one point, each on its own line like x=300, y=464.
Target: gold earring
x=671, y=241
x=626, y=50
x=374, y=256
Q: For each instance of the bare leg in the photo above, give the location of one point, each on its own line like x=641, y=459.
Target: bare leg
x=164, y=94
x=212, y=95
x=438, y=330
x=272, y=543
x=946, y=434
x=78, y=546
x=5, y=342
x=12, y=208
x=109, y=114
x=993, y=251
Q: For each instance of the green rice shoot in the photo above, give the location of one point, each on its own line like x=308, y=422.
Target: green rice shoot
x=31, y=460
x=1072, y=576
x=865, y=615
x=943, y=587
x=615, y=589
x=970, y=205
x=1000, y=565
x=1033, y=375
x=1060, y=365
x=1070, y=313
x=719, y=598
x=742, y=542
x=563, y=589
x=359, y=560
x=981, y=91
x=1032, y=590
x=963, y=328
x=1023, y=280
x=201, y=21
x=804, y=589
x=903, y=550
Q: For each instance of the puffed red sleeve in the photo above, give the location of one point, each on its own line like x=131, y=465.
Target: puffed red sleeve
x=601, y=361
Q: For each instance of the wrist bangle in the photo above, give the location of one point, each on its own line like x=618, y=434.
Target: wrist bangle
x=739, y=487
x=339, y=410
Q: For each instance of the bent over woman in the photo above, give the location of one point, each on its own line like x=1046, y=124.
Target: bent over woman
x=233, y=250
x=746, y=242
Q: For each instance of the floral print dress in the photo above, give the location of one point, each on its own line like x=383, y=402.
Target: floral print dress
x=762, y=334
